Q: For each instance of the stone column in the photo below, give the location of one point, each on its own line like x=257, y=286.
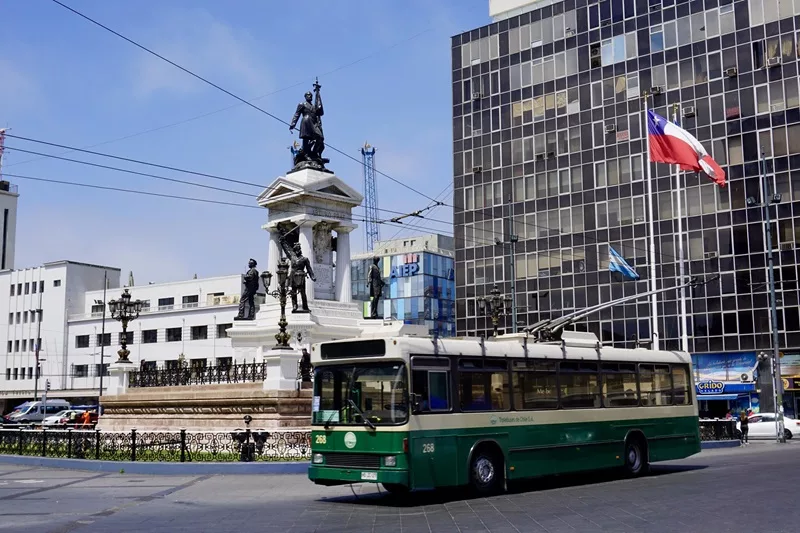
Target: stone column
x=307, y=244
x=120, y=377
x=343, y=288
x=274, y=252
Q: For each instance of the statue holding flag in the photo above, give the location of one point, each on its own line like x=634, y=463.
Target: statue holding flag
x=310, y=154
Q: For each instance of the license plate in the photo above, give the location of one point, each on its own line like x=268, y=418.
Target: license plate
x=369, y=476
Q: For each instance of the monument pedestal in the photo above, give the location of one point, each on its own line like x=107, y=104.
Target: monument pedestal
x=281, y=369
x=327, y=320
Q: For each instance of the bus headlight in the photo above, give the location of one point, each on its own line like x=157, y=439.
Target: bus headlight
x=317, y=459
x=390, y=460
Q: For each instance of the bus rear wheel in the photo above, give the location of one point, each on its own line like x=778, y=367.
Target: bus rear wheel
x=486, y=472
x=635, y=456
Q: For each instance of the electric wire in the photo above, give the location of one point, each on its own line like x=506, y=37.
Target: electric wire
x=116, y=169
x=250, y=104
x=168, y=196
x=217, y=111
x=229, y=93
x=265, y=190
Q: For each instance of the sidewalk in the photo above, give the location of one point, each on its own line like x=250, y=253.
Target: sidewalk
x=153, y=468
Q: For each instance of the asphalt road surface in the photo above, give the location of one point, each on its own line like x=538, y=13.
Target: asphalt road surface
x=751, y=489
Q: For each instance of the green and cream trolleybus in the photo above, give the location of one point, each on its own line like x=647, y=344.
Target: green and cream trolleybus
x=413, y=412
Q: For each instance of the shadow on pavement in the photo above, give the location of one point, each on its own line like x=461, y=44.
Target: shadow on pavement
x=446, y=495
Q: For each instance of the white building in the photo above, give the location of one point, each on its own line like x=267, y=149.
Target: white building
x=184, y=319
x=34, y=306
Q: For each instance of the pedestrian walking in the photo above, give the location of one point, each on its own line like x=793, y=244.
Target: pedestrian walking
x=744, y=428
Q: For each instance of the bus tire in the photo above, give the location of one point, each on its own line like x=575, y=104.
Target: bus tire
x=486, y=473
x=636, y=463
x=396, y=489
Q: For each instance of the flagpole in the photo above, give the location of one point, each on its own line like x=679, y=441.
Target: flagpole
x=652, y=224
x=681, y=261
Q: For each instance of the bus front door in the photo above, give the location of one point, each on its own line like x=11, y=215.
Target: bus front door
x=433, y=461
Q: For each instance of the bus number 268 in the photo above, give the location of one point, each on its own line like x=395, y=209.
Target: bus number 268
x=428, y=447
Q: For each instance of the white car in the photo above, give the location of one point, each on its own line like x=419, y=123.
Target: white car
x=762, y=426
x=61, y=418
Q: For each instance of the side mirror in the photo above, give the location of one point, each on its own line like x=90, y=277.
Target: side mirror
x=414, y=399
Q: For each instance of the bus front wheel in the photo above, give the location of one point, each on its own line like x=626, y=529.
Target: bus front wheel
x=636, y=456
x=486, y=471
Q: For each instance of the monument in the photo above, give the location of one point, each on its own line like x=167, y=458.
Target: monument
x=309, y=221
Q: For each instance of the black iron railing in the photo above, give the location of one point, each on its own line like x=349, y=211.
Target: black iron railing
x=718, y=429
x=188, y=375
x=178, y=446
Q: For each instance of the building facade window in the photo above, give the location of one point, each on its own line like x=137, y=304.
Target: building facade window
x=567, y=220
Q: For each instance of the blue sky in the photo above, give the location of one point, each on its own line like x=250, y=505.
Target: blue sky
x=67, y=81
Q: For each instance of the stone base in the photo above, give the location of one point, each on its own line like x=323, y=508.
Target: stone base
x=281, y=369
x=206, y=408
x=327, y=320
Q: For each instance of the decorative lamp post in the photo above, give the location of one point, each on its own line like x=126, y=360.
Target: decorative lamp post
x=280, y=293
x=496, y=306
x=124, y=310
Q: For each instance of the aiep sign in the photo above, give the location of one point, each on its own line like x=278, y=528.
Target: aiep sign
x=410, y=267
x=710, y=387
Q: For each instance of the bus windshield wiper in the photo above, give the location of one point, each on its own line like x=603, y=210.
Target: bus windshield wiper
x=367, y=421
x=328, y=421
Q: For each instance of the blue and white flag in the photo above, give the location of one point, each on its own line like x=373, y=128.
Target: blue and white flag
x=618, y=264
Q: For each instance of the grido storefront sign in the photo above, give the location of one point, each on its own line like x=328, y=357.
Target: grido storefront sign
x=410, y=267
x=710, y=387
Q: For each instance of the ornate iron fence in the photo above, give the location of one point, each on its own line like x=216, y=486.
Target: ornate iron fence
x=718, y=429
x=188, y=375
x=179, y=446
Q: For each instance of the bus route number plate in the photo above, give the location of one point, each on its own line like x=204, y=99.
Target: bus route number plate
x=369, y=476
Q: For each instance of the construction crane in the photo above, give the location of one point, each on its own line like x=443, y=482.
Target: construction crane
x=372, y=234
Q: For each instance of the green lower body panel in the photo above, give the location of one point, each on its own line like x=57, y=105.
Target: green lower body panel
x=441, y=457
x=325, y=475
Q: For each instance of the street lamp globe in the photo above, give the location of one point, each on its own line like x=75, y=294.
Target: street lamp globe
x=283, y=271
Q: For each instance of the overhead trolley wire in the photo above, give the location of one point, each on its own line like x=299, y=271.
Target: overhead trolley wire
x=229, y=93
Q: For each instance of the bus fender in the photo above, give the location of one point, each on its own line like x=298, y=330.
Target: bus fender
x=638, y=433
x=499, y=449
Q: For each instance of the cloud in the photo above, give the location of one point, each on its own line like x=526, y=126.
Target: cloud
x=196, y=40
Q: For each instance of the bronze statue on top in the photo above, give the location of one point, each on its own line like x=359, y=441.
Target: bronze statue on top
x=310, y=154
x=301, y=267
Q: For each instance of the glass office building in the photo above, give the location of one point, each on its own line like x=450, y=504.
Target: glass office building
x=420, y=281
x=548, y=132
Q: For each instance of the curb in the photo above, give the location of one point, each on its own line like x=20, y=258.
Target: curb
x=715, y=444
x=160, y=469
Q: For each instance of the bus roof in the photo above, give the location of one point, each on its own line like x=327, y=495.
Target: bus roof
x=574, y=345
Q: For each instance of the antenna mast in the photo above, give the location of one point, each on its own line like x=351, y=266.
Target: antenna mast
x=370, y=197
x=2, y=145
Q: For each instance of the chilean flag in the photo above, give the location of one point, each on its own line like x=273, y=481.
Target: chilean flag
x=669, y=143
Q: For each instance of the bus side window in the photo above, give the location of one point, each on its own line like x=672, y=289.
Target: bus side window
x=433, y=389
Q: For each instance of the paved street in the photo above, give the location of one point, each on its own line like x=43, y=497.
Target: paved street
x=715, y=491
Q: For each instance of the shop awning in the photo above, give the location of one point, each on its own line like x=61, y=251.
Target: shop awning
x=717, y=396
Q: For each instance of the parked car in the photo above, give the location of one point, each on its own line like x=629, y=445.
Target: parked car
x=61, y=418
x=30, y=412
x=5, y=420
x=762, y=426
